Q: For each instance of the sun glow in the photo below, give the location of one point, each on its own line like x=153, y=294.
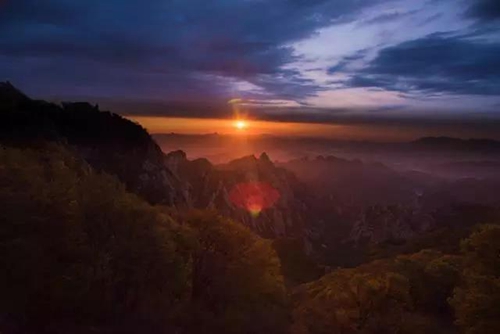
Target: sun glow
x=228, y=126
x=240, y=125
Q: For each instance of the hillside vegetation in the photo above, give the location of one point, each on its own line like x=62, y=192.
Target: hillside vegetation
x=79, y=252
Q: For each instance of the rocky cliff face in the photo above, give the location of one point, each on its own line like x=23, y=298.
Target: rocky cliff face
x=396, y=223
x=209, y=187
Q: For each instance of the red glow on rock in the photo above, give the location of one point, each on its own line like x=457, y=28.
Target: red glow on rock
x=254, y=196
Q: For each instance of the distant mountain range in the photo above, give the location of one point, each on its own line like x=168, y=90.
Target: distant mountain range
x=444, y=143
x=447, y=143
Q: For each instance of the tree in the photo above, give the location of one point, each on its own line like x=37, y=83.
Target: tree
x=237, y=286
x=80, y=254
x=432, y=276
x=477, y=300
x=76, y=248
x=352, y=301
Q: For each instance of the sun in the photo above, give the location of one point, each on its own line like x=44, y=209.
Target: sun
x=240, y=125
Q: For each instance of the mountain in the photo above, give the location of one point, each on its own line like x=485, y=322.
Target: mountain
x=107, y=141
x=355, y=183
x=447, y=143
x=120, y=147
x=333, y=206
x=211, y=186
x=485, y=169
x=354, y=205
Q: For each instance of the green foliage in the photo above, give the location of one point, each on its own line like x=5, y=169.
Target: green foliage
x=403, y=295
x=237, y=282
x=352, y=301
x=75, y=247
x=477, y=300
x=432, y=278
x=77, y=252
x=297, y=267
x=482, y=251
x=453, y=225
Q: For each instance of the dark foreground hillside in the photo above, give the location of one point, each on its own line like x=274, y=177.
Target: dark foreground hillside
x=100, y=233
x=80, y=254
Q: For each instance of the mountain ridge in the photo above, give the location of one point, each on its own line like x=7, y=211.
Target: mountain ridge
x=120, y=147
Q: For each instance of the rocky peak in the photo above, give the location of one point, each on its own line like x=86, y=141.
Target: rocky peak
x=10, y=96
x=379, y=224
x=177, y=155
x=264, y=157
x=248, y=161
x=175, y=161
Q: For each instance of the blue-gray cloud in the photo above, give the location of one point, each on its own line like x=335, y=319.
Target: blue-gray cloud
x=484, y=10
x=346, y=61
x=389, y=17
x=436, y=64
x=154, y=42
x=194, y=50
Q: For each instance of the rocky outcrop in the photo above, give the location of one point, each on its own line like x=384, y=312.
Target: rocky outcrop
x=209, y=187
x=392, y=223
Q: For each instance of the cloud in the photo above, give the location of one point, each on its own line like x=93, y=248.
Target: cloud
x=165, y=40
x=435, y=64
x=389, y=17
x=484, y=10
x=431, y=18
x=346, y=61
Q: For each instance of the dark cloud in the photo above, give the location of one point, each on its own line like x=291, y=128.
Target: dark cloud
x=346, y=61
x=484, y=10
x=158, y=41
x=389, y=17
x=435, y=64
x=431, y=18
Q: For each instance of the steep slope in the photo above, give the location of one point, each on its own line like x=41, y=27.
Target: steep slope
x=108, y=142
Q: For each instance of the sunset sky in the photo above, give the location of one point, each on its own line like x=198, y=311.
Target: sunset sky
x=345, y=63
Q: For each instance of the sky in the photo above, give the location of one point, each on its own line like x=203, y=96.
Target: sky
x=321, y=61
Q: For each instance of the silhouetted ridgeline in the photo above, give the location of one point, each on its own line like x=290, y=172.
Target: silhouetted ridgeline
x=107, y=141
